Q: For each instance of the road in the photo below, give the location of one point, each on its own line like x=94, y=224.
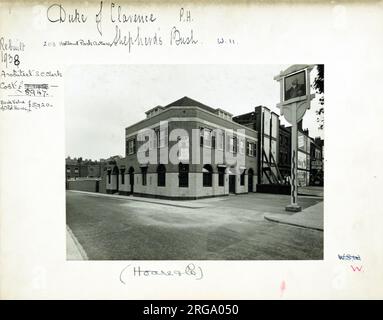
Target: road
x=225, y=228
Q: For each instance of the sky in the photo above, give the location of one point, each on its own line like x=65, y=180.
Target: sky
x=102, y=100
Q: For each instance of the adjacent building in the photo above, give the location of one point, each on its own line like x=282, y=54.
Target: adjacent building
x=316, y=164
x=266, y=123
x=78, y=168
x=303, y=161
x=284, y=159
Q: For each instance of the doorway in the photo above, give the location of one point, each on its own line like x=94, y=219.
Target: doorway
x=131, y=180
x=116, y=173
x=250, y=180
x=232, y=183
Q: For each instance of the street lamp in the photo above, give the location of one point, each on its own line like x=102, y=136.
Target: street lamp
x=295, y=99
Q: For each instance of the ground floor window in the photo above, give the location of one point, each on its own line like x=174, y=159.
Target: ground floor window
x=207, y=172
x=221, y=176
x=109, y=174
x=183, y=175
x=243, y=178
x=144, y=172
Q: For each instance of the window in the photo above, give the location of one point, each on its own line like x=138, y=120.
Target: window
x=144, y=172
x=243, y=178
x=221, y=176
x=233, y=144
x=131, y=146
x=207, y=172
x=219, y=139
x=147, y=151
x=241, y=146
x=250, y=149
x=163, y=137
x=75, y=170
x=161, y=175
x=122, y=171
x=207, y=138
x=183, y=153
x=183, y=175
x=68, y=170
x=230, y=142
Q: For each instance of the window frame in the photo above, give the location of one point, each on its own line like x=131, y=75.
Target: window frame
x=207, y=177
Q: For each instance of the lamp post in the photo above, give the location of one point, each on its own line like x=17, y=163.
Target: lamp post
x=295, y=99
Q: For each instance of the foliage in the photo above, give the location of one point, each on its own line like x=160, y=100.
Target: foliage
x=318, y=85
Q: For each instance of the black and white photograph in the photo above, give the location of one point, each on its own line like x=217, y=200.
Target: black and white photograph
x=190, y=150
x=180, y=162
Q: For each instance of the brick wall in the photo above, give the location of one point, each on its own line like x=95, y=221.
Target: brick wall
x=83, y=185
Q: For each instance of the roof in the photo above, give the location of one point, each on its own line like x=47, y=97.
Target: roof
x=188, y=102
x=152, y=109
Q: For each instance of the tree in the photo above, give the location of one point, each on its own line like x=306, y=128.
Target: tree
x=318, y=85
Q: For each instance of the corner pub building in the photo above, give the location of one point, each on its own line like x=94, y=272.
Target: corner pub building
x=212, y=132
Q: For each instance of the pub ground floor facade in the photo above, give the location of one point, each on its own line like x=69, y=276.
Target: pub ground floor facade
x=182, y=181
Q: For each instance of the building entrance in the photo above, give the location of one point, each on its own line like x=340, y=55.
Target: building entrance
x=231, y=183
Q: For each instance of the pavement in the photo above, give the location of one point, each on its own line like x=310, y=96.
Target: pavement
x=311, y=191
x=191, y=204
x=310, y=218
x=112, y=227
x=74, y=249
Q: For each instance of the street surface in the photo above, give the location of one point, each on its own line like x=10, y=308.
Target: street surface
x=224, y=228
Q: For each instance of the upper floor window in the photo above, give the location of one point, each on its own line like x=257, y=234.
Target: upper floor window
x=183, y=152
x=241, y=146
x=131, y=146
x=233, y=144
x=205, y=137
x=250, y=149
x=242, y=179
x=219, y=140
x=162, y=137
